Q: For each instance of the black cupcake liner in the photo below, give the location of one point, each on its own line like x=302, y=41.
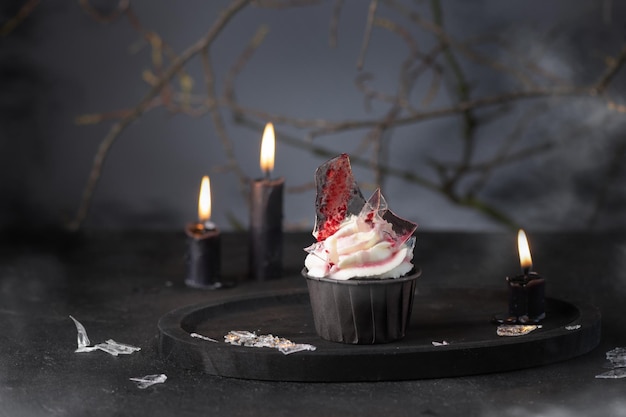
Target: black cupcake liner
x=362, y=311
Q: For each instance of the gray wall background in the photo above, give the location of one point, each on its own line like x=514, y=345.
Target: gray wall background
x=60, y=63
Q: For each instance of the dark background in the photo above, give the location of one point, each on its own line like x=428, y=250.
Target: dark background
x=60, y=63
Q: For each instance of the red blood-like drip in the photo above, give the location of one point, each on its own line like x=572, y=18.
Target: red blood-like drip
x=334, y=196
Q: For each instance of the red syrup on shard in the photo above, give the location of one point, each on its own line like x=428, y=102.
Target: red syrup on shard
x=338, y=196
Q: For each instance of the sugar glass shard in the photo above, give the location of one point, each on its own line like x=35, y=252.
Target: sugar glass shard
x=199, y=336
x=404, y=229
x=105, y=347
x=240, y=337
x=376, y=207
x=82, y=338
x=338, y=196
x=251, y=339
x=613, y=374
x=114, y=348
x=515, y=329
x=617, y=357
x=149, y=380
x=86, y=349
x=122, y=348
x=295, y=348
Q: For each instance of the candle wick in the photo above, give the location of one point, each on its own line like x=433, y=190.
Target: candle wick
x=526, y=270
x=267, y=174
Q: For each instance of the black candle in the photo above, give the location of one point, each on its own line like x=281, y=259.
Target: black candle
x=204, y=248
x=526, y=291
x=266, y=216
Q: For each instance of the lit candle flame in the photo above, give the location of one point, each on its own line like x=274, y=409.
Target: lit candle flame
x=525, y=260
x=268, y=145
x=204, y=201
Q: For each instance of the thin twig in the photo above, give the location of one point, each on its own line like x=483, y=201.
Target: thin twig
x=498, y=99
x=26, y=10
x=612, y=173
x=380, y=134
x=240, y=63
x=531, y=62
x=180, y=103
x=121, y=8
x=333, y=35
x=160, y=48
x=504, y=154
x=371, y=13
x=283, y=4
x=218, y=122
x=462, y=47
x=613, y=67
x=462, y=90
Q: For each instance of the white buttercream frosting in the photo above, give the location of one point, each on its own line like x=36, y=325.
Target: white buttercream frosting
x=361, y=249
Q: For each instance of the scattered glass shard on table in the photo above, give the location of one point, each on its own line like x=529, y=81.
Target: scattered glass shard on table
x=617, y=359
x=442, y=343
x=110, y=346
x=613, y=374
x=575, y=327
x=82, y=338
x=251, y=339
x=149, y=380
x=114, y=348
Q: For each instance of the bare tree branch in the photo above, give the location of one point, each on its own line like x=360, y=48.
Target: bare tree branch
x=333, y=127
x=144, y=104
x=400, y=112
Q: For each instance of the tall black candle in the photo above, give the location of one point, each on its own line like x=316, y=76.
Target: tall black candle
x=526, y=291
x=204, y=246
x=266, y=216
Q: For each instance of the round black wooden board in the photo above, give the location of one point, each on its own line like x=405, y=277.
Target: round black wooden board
x=461, y=317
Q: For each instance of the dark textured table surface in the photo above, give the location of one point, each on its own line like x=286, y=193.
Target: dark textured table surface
x=119, y=285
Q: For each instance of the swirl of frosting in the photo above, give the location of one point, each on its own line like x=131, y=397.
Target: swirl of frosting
x=361, y=248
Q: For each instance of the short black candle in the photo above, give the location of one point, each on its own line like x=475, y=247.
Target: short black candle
x=203, y=256
x=526, y=298
x=526, y=291
x=204, y=246
x=266, y=229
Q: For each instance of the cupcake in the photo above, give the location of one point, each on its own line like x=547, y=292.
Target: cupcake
x=359, y=272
